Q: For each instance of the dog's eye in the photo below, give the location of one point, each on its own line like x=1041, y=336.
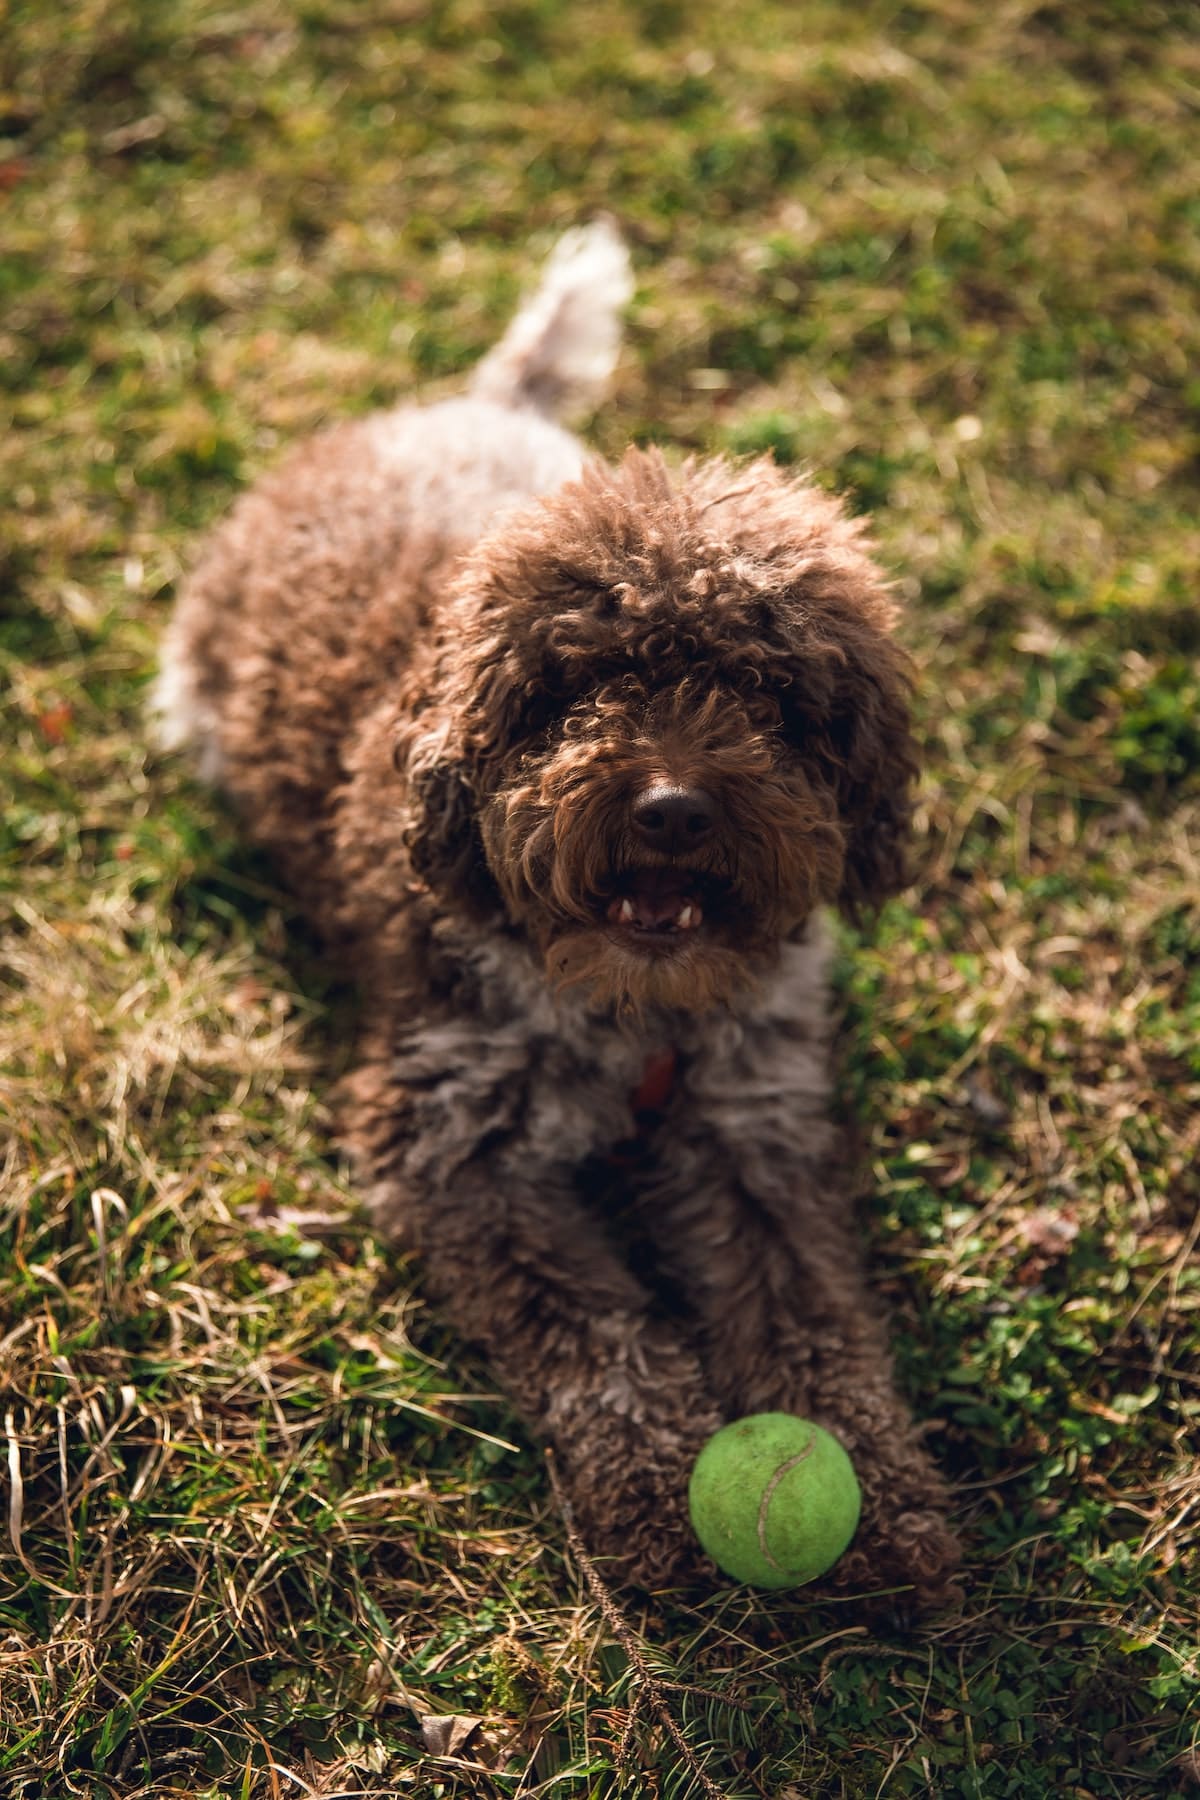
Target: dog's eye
x=538, y=714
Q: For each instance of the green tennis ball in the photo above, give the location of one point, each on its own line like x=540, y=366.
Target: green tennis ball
x=774, y=1500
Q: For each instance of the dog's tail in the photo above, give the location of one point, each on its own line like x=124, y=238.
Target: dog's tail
x=561, y=348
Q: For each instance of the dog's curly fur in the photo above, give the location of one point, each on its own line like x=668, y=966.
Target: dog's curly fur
x=438, y=661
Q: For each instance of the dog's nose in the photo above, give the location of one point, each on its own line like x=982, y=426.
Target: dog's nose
x=673, y=818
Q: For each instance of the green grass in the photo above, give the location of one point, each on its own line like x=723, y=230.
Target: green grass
x=266, y=1515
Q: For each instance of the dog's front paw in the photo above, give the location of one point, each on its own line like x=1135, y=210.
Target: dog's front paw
x=649, y=1544
x=903, y=1564
x=626, y=1496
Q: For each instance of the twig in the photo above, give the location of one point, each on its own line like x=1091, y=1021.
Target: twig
x=652, y=1688
x=703, y=1693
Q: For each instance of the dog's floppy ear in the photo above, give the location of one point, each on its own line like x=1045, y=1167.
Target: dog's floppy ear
x=441, y=834
x=857, y=680
x=872, y=764
x=828, y=615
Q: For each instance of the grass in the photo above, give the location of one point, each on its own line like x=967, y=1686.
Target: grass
x=263, y=1516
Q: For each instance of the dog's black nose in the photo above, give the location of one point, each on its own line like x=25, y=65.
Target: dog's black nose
x=674, y=818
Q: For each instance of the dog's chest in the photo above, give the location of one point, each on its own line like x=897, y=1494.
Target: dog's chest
x=582, y=1080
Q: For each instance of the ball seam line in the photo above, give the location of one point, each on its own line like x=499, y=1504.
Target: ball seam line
x=764, y=1505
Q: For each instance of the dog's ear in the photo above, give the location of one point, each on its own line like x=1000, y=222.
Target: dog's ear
x=441, y=834
x=852, y=682
x=872, y=765
x=826, y=614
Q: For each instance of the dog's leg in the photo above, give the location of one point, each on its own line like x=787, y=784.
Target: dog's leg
x=765, y=1248
x=518, y=1265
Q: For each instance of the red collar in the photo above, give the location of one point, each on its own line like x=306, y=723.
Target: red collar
x=658, y=1080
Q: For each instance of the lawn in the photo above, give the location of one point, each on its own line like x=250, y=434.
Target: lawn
x=263, y=1517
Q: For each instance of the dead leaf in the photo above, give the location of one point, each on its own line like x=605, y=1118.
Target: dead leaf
x=55, y=723
x=1049, y=1230
x=447, y=1734
x=986, y=1105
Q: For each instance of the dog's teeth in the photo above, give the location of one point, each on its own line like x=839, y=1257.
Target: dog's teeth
x=689, y=916
x=626, y=913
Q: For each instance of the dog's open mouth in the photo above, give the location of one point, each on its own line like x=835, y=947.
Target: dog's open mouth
x=661, y=903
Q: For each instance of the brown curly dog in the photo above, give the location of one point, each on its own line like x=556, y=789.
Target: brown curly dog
x=569, y=759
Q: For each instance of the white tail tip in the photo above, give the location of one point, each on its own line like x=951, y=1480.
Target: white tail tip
x=560, y=350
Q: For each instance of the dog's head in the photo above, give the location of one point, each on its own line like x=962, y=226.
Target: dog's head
x=666, y=721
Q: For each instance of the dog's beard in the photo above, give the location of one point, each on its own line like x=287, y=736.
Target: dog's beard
x=637, y=931
x=622, y=977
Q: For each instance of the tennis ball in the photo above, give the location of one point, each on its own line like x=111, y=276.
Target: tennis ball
x=774, y=1500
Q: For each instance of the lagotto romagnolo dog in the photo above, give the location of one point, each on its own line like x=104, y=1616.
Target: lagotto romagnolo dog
x=568, y=758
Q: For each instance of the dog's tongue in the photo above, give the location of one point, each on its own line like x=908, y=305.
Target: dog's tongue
x=655, y=898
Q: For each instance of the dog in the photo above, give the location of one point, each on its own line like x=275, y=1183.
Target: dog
x=570, y=760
